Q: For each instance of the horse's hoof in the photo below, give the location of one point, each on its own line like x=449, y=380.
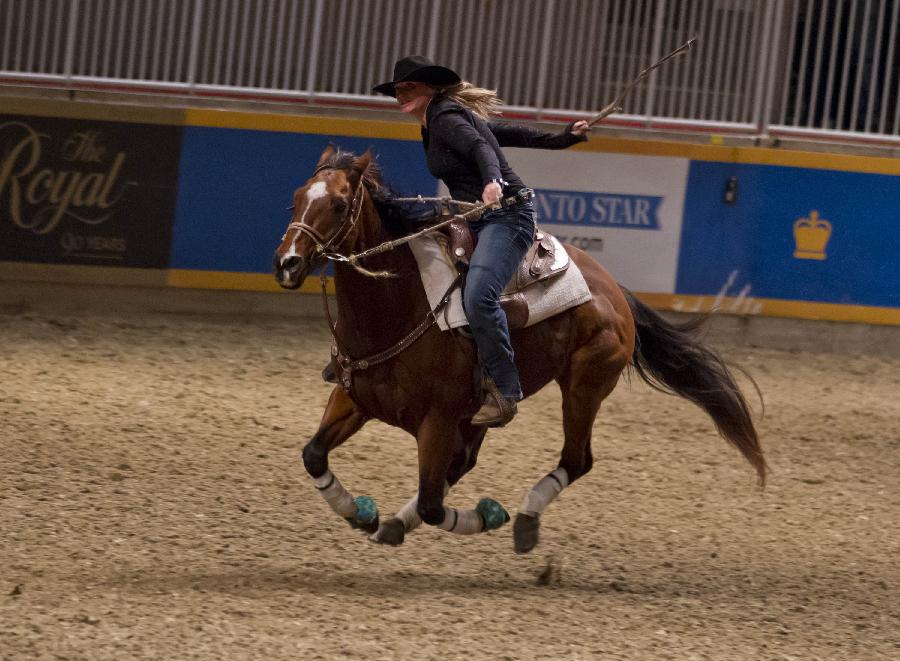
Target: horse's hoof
x=492, y=513
x=366, y=518
x=392, y=532
x=525, y=533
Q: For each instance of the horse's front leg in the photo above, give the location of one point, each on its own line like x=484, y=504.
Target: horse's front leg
x=342, y=419
x=438, y=441
x=393, y=530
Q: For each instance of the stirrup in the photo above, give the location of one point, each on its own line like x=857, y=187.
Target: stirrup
x=497, y=410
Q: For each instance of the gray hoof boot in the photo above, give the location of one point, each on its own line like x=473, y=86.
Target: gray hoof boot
x=392, y=532
x=525, y=533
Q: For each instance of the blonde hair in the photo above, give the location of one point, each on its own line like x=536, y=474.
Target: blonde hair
x=483, y=102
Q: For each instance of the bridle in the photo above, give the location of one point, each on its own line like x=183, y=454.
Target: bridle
x=324, y=245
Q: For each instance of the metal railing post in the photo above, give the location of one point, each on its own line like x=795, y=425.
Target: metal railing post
x=313, y=67
x=654, y=56
x=762, y=70
x=545, y=56
x=70, y=41
x=195, y=46
x=433, y=28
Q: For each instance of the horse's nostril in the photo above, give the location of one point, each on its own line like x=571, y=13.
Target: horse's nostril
x=292, y=263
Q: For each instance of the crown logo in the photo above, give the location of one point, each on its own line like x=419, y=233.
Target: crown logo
x=811, y=236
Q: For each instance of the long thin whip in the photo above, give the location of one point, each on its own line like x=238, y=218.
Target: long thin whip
x=616, y=104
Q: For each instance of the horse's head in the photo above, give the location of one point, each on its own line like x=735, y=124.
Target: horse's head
x=326, y=216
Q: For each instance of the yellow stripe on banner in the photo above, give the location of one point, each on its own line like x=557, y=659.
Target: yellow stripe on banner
x=91, y=111
x=765, y=307
x=238, y=281
x=366, y=128
x=774, y=307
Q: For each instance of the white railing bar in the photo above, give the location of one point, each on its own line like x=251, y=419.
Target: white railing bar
x=609, y=84
x=118, y=62
x=133, y=39
x=817, y=67
x=686, y=68
x=252, y=78
x=727, y=64
x=278, y=55
x=723, y=36
x=739, y=103
x=195, y=43
x=314, y=49
x=832, y=58
x=143, y=38
x=232, y=22
x=58, y=35
x=788, y=61
x=110, y=38
x=889, y=74
x=658, y=27
x=33, y=37
x=848, y=48
x=243, y=30
x=297, y=57
x=7, y=34
x=876, y=62
x=169, y=39
x=846, y=136
x=70, y=39
x=20, y=46
x=801, y=75
x=288, y=54
x=157, y=40
x=339, y=7
x=433, y=25
x=771, y=65
x=702, y=55
x=857, y=85
x=761, y=68
x=539, y=99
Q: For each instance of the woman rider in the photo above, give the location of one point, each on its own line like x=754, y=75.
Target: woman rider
x=463, y=149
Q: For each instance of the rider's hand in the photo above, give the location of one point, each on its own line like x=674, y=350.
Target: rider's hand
x=491, y=193
x=581, y=128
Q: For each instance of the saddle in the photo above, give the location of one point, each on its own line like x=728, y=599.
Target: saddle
x=540, y=263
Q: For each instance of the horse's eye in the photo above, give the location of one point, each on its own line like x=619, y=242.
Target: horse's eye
x=339, y=205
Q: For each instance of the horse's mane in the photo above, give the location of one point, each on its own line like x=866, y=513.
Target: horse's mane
x=399, y=218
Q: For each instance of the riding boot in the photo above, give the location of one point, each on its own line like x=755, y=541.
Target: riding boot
x=497, y=410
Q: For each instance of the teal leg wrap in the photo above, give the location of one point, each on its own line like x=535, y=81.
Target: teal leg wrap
x=492, y=513
x=366, y=509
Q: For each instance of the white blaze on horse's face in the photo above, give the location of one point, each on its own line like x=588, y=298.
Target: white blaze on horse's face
x=315, y=191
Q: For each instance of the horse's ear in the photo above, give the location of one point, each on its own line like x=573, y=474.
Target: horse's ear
x=328, y=153
x=361, y=164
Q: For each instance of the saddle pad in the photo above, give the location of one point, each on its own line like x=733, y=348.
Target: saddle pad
x=545, y=299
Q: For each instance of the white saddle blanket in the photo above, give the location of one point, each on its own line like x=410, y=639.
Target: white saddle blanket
x=545, y=298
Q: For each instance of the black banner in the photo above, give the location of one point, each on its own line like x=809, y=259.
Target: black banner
x=78, y=191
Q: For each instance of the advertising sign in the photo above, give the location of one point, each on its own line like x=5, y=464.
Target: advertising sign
x=87, y=192
x=791, y=234
x=623, y=210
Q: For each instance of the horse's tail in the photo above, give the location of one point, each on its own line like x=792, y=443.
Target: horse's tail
x=670, y=358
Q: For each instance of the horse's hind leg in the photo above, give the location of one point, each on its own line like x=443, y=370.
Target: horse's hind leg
x=393, y=531
x=342, y=419
x=586, y=383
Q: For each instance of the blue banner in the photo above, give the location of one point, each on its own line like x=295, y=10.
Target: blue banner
x=640, y=212
x=792, y=233
x=235, y=185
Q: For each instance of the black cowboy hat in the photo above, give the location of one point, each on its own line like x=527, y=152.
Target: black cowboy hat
x=418, y=69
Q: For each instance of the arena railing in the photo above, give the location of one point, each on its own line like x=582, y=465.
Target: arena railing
x=817, y=69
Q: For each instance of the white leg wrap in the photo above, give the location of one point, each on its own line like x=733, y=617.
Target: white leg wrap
x=335, y=494
x=462, y=522
x=408, y=513
x=543, y=493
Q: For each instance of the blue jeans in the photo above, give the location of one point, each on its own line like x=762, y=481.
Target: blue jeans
x=504, y=236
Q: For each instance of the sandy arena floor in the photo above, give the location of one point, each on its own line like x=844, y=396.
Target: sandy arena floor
x=153, y=506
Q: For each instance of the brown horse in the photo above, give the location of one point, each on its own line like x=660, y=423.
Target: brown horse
x=428, y=388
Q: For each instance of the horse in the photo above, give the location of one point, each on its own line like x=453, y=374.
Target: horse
x=420, y=378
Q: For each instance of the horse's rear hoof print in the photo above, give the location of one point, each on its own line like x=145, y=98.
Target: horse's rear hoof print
x=525, y=533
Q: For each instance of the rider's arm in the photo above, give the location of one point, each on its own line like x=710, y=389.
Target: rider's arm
x=512, y=135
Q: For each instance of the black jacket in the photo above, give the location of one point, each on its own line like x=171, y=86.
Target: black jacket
x=464, y=151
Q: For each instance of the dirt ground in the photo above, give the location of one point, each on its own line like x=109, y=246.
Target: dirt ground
x=153, y=505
